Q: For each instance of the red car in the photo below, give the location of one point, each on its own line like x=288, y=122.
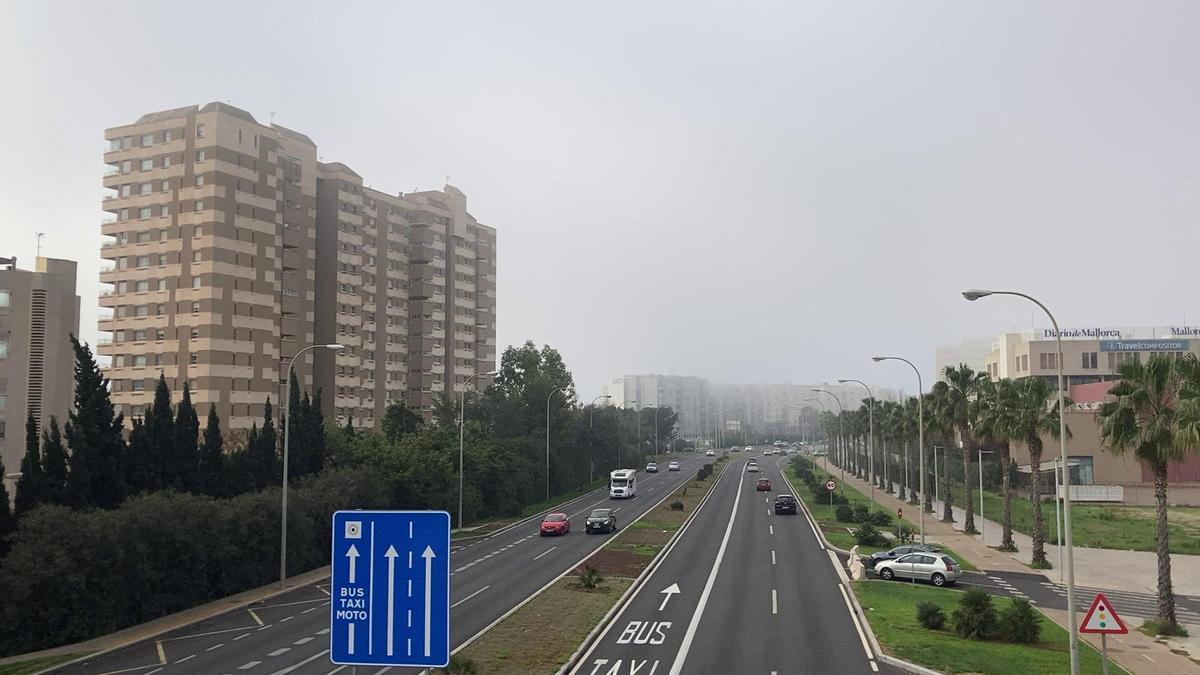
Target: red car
x=763, y=485
x=555, y=523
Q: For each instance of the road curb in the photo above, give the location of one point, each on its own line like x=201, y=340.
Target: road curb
x=638, y=583
x=808, y=514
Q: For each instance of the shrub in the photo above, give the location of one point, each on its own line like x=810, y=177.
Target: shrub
x=975, y=617
x=906, y=533
x=702, y=473
x=861, y=513
x=930, y=615
x=881, y=519
x=676, y=505
x=590, y=578
x=867, y=535
x=1020, y=623
x=459, y=665
x=845, y=514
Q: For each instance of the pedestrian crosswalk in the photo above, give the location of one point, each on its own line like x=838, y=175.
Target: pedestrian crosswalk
x=1012, y=590
x=1187, y=610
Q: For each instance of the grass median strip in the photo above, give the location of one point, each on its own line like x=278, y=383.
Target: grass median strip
x=567, y=610
x=29, y=666
x=891, y=608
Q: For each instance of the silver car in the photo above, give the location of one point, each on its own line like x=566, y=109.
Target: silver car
x=938, y=569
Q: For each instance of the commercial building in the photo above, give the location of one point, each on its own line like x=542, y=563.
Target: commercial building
x=233, y=248
x=39, y=310
x=1089, y=355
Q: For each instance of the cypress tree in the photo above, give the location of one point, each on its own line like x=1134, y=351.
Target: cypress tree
x=139, y=456
x=314, y=435
x=349, y=430
x=212, y=454
x=31, y=485
x=7, y=522
x=268, y=454
x=54, y=465
x=297, y=429
x=160, y=426
x=94, y=435
x=187, y=434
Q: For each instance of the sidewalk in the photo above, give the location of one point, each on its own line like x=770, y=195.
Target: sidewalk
x=1136, y=652
x=171, y=622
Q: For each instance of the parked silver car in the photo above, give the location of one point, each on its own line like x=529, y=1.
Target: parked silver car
x=938, y=569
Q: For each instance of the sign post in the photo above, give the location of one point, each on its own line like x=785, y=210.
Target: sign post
x=1102, y=618
x=831, y=486
x=390, y=589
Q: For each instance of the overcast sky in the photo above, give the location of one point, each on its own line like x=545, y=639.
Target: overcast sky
x=748, y=191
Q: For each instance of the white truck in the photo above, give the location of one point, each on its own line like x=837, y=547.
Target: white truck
x=622, y=484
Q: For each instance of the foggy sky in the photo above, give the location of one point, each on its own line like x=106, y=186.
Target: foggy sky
x=752, y=192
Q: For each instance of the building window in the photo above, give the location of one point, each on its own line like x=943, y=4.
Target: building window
x=160, y=334
x=199, y=131
x=3, y=347
x=195, y=282
x=200, y=155
x=166, y=137
x=5, y=298
x=162, y=259
x=142, y=286
x=141, y=310
x=195, y=333
x=127, y=166
x=195, y=308
x=162, y=284
x=1042, y=361
x=139, y=360
x=147, y=164
x=199, y=205
x=158, y=359
x=165, y=185
x=196, y=256
x=139, y=335
x=145, y=188
x=199, y=180
x=163, y=212
x=166, y=161
x=126, y=190
x=144, y=213
x=193, y=358
x=143, y=261
x=1084, y=472
x=139, y=385
x=124, y=214
x=143, y=237
x=1090, y=360
x=147, y=140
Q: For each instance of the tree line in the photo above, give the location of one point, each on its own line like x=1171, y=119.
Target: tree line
x=1152, y=411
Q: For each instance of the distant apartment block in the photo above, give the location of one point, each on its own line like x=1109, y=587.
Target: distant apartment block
x=38, y=311
x=233, y=248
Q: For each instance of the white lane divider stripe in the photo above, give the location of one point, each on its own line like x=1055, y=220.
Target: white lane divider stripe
x=470, y=596
x=281, y=650
x=857, y=626
x=314, y=657
x=248, y=665
x=772, y=528
x=774, y=602
x=544, y=552
x=772, y=556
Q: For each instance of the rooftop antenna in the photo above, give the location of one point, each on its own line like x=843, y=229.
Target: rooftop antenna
x=42, y=234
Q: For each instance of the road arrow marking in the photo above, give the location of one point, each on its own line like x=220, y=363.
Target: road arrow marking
x=391, y=595
x=428, y=555
x=669, y=591
x=352, y=554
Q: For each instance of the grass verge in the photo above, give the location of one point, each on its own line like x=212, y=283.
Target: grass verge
x=34, y=665
x=891, y=609
x=569, y=612
x=837, y=532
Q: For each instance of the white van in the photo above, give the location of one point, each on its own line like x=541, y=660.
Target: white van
x=622, y=484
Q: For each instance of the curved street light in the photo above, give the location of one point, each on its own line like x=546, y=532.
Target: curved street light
x=548, y=438
x=841, y=433
x=826, y=410
x=870, y=435
x=462, y=423
x=591, y=421
x=286, y=437
x=920, y=430
x=975, y=294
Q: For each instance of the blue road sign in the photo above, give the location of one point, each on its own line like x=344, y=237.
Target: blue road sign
x=390, y=588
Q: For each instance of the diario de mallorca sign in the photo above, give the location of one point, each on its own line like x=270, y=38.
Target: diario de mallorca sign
x=1118, y=333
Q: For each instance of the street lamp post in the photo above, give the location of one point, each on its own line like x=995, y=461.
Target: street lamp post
x=870, y=436
x=982, y=521
x=920, y=429
x=841, y=435
x=287, y=437
x=591, y=421
x=548, y=439
x=973, y=295
x=462, y=423
x=820, y=403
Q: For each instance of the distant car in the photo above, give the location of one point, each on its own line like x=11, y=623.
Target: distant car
x=763, y=485
x=785, y=504
x=735, y=449
x=936, y=568
x=880, y=556
x=601, y=520
x=555, y=523
x=749, y=449
x=709, y=453
x=652, y=467
x=673, y=466
x=752, y=467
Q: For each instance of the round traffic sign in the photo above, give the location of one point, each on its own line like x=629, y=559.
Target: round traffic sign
x=831, y=485
x=899, y=512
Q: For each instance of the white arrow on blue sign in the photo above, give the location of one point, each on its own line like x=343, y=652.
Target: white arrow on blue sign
x=390, y=588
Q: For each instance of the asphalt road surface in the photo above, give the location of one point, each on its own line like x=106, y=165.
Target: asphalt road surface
x=290, y=632
x=757, y=593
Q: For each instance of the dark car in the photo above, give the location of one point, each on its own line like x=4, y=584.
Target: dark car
x=785, y=504
x=601, y=520
x=880, y=556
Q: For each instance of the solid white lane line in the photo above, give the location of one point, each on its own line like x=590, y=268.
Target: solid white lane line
x=286, y=618
x=152, y=672
x=323, y=631
x=857, y=626
x=314, y=657
x=772, y=556
x=216, y=646
x=188, y=657
x=772, y=528
x=248, y=665
x=544, y=552
x=281, y=650
x=690, y=634
x=774, y=602
x=310, y=609
x=240, y=637
x=303, y=640
x=336, y=670
x=470, y=596
x=874, y=667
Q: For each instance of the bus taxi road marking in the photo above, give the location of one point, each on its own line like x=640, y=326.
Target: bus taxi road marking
x=255, y=617
x=470, y=596
x=544, y=552
x=162, y=654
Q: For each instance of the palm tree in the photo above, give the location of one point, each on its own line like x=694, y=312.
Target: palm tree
x=936, y=426
x=889, y=424
x=958, y=390
x=993, y=413
x=1029, y=420
x=1155, y=415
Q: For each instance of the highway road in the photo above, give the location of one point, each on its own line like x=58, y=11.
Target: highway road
x=290, y=632
x=757, y=593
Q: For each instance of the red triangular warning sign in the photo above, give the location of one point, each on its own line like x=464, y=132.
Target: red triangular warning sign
x=1102, y=618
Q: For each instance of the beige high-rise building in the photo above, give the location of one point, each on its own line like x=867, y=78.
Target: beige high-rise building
x=234, y=248
x=39, y=310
